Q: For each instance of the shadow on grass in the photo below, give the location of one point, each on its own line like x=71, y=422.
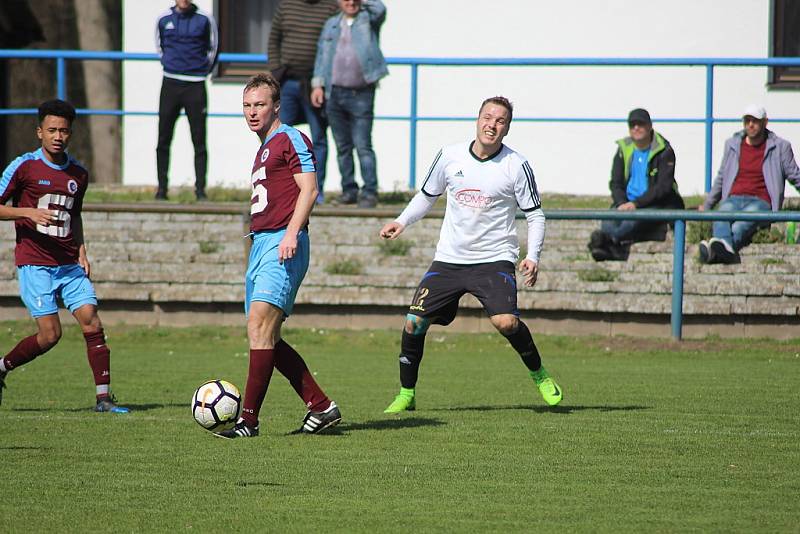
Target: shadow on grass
x=132, y=407
x=394, y=423
x=248, y=483
x=564, y=409
x=22, y=448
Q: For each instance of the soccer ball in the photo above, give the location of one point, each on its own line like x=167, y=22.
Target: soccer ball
x=216, y=405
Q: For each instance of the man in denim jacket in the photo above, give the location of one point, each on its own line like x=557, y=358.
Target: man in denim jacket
x=349, y=64
x=755, y=166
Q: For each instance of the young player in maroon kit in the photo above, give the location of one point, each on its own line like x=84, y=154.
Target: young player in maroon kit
x=46, y=188
x=284, y=188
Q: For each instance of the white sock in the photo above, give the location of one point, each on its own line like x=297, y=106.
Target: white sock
x=102, y=390
x=3, y=365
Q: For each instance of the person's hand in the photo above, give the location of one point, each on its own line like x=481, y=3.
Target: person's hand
x=530, y=272
x=287, y=247
x=628, y=206
x=317, y=97
x=701, y=207
x=42, y=216
x=392, y=230
x=83, y=261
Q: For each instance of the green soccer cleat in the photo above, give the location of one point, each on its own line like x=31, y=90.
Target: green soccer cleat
x=404, y=402
x=551, y=392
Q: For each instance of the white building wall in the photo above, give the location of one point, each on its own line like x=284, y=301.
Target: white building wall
x=566, y=157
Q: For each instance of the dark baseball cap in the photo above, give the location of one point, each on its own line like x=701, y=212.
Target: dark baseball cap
x=639, y=115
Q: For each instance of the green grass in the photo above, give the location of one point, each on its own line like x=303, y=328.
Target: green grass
x=651, y=436
x=395, y=247
x=185, y=195
x=177, y=195
x=345, y=266
x=209, y=247
x=597, y=274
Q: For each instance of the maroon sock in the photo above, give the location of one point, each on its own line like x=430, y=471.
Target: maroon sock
x=291, y=365
x=99, y=357
x=262, y=362
x=25, y=351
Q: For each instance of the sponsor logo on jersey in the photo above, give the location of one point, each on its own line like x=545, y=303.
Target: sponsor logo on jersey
x=264, y=155
x=72, y=186
x=169, y=26
x=44, y=182
x=460, y=174
x=473, y=198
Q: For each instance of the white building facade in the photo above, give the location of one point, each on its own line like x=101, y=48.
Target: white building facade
x=567, y=157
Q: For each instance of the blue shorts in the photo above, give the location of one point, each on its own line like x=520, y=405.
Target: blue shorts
x=39, y=285
x=268, y=280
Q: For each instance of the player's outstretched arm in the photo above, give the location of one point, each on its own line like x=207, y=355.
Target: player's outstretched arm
x=392, y=230
x=419, y=206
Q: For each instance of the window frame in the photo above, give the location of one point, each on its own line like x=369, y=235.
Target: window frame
x=237, y=71
x=784, y=78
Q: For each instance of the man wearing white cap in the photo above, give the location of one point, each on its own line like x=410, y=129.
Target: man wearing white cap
x=752, y=177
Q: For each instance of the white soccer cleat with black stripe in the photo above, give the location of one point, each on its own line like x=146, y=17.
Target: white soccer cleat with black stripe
x=315, y=422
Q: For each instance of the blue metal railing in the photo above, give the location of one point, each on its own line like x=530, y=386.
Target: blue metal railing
x=679, y=217
x=676, y=216
x=413, y=118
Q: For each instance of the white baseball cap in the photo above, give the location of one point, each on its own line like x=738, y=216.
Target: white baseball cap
x=755, y=111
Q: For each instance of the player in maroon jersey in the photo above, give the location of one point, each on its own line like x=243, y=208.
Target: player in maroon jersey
x=284, y=186
x=46, y=188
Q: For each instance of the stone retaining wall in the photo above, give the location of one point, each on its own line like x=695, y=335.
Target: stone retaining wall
x=184, y=264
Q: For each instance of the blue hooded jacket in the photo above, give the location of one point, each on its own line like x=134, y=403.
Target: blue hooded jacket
x=187, y=43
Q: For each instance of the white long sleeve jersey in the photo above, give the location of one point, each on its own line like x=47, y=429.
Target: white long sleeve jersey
x=482, y=200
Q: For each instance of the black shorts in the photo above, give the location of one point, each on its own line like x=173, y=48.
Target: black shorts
x=493, y=284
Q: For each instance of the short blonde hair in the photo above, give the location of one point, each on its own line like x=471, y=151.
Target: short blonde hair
x=265, y=79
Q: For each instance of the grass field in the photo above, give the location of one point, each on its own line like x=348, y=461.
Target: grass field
x=701, y=436
x=185, y=195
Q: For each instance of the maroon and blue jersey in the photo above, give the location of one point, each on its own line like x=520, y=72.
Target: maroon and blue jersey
x=32, y=181
x=283, y=154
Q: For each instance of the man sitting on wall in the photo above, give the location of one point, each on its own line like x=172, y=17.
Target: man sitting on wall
x=755, y=166
x=642, y=176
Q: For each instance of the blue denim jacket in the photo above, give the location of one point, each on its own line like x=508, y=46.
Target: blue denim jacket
x=365, y=30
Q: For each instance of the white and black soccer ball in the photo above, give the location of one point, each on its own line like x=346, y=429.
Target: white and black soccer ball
x=216, y=405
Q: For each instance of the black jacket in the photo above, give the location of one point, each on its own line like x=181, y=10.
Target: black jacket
x=662, y=190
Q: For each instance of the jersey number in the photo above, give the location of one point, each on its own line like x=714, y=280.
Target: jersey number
x=60, y=201
x=258, y=200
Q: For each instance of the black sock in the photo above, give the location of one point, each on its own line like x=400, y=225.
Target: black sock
x=522, y=341
x=411, y=348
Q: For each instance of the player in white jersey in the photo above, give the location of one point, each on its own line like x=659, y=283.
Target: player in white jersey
x=485, y=182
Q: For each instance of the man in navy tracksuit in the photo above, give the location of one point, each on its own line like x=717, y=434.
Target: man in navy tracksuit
x=186, y=40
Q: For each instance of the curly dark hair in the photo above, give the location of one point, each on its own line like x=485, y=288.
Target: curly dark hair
x=58, y=108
